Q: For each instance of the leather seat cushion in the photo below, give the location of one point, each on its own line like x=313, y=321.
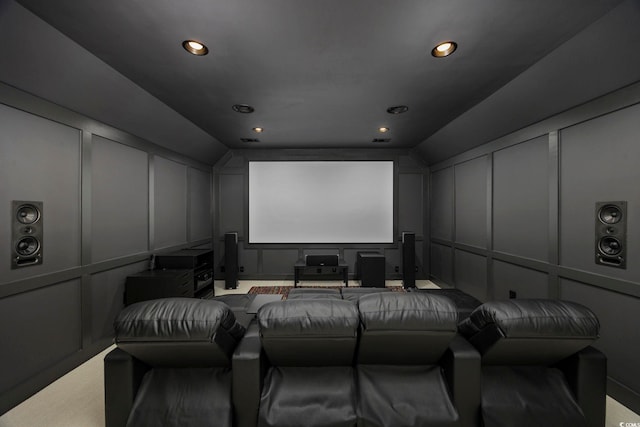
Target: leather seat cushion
x=535, y=396
x=309, y=397
x=354, y=294
x=404, y=396
x=183, y=398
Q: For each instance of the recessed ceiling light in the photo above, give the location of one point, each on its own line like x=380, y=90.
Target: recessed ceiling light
x=195, y=47
x=383, y=129
x=258, y=129
x=444, y=49
x=243, y=108
x=398, y=109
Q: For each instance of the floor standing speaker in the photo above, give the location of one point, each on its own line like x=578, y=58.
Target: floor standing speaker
x=231, y=260
x=409, y=260
x=611, y=234
x=26, y=234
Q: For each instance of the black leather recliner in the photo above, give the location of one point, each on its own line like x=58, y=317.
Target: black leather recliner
x=172, y=366
x=412, y=368
x=295, y=367
x=537, y=366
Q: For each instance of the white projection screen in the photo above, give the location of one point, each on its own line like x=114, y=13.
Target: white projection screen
x=321, y=202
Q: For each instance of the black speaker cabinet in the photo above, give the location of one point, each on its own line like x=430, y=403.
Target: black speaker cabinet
x=231, y=261
x=611, y=234
x=409, y=260
x=26, y=234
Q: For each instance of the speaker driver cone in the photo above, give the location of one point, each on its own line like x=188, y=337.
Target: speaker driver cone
x=27, y=214
x=610, y=246
x=610, y=214
x=27, y=246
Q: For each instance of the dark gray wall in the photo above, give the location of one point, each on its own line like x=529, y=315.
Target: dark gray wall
x=275, y=261
x=523, y=210
x=109, y=201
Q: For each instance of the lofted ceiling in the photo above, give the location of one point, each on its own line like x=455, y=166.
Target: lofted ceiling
x=320, y=73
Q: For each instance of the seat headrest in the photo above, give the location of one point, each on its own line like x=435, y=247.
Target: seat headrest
x=309, y=332
x=534, y=331
x=313, y=293
x=405, y=328
x=354, y=294
x=407, y=311
x=178, y=331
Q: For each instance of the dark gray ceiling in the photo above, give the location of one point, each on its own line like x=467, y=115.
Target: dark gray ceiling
x=321, y=73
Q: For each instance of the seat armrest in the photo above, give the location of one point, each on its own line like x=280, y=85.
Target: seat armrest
x=462, y=370
x=586, y=374
x=122, y=377
x=249, y=366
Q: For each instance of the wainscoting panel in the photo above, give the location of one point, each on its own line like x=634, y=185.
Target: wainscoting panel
x=526, y=283
x=279, y=261
x=471, y=202
x=120, y=201
x=200, y=225
x=393, y=258
x=41, y=335
x=442, y=263
x=170, y=207
x=410, y=195
x=230, y=205
x=521, y=199
x=620, y=343
x=599, y=162
x=470, y=273
x=248, y=259
x=107, y=291
x=40, y=161
x=441, y=194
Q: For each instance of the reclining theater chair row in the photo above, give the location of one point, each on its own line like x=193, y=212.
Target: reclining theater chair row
x=385, y=360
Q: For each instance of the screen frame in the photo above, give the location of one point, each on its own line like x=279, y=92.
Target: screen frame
x=315, y=244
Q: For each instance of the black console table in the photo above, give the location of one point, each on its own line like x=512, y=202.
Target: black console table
x=302, y=269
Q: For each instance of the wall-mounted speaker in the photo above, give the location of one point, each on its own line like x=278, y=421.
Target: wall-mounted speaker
x=231, y=260
x=408, y=260
x=611, y=234
x=26, y=234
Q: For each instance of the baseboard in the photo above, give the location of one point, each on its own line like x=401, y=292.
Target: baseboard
x=624, y=395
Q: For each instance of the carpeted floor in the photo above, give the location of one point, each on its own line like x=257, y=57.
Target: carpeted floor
x=284, y=290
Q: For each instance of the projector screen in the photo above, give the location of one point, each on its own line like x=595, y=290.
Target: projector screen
x=321, y=202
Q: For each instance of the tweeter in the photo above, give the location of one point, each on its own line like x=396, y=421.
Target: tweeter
x=611, y=234
x=26, y=234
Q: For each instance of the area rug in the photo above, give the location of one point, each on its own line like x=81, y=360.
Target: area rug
x=284, y=290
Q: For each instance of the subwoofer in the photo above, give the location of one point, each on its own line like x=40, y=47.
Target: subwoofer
x=231, y=261
x=408, y=260
x=26, y=234
x=611, y=234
